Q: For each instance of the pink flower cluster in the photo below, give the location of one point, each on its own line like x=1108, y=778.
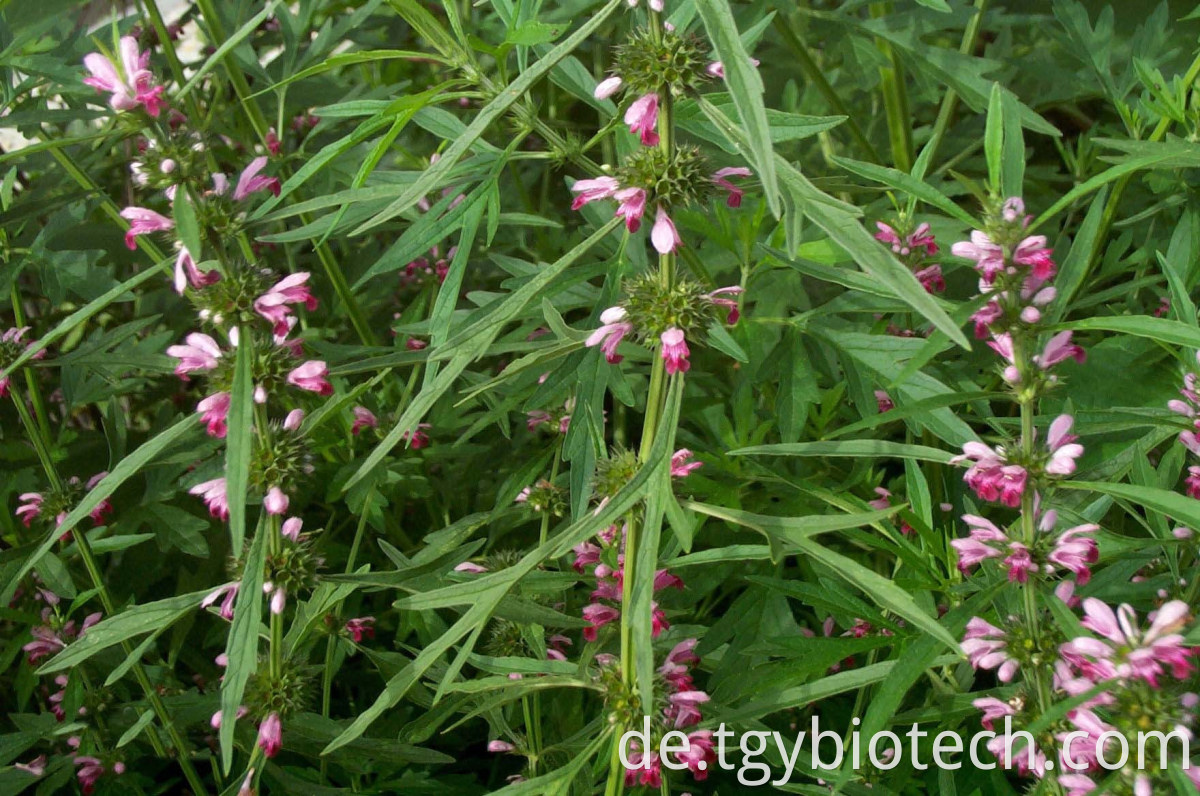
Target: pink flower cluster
x=632, y=203
x=11, y=339
x=913, y=248
x=1074, y=549
x=615, y=326
x=606, y=598
x=1190, y=408
x=993, y=477
x=132, y=84
x=32, y=503
x=681, y=709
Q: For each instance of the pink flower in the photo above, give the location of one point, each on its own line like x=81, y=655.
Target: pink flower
x=187, y=273
x=89, y=772
x=607, y=87
x=200, y=353
x=213, y=411
x=135, y=88
x=663, y=579
x=470, y=567
x=586, y=554
x=250, y=181
x=500, y=747
x=587, y=191
x=720, y=297
x=658, y=621
x=979, y=545
x=681, y=464
x=642, y=118
x=143, y=221
x=360, y=628
x=993, y=709
x=611, y=333
x=632, y=207
x=311, y=376
x=276, y=501
x=293, y=420
x=30, y=507
x=275, y=304
x=700, y=755
x=363, y=418
x=884, y=402
x=1032, y=252
x=986, y=648
x=291, y=528
x=278, y=595
x=675, y=351
x=35, y=767
x=13, y=336
x=1130, y=652
x=599, y=615
x=270, y=735
x=1063, y=448
x=990, y=476
x=1059, y=349
x=664, y=235
x=1192, y=482
x=417, y=438
x=1074, y=550
x=684, y=707
x=735, y=193
x=46, y=642
x=214, y=495
x=226, y=594
x=1019, y=563
x=638, y=773
x=988, y=256
x=717, y=68
x=931, y=278
x=984, y=317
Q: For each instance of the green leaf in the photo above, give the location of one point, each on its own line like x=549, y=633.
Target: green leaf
x=1164, y=330
x=147, y=618
x=993, y=138
x=854, y=448
x=83, y=314
x=468, y=344
x=918, y=189
x=239, y=35
x=1181, y=509
x=186, y=224
x=1160, y=156
x=241, y=648
x=487, y=118
x=883, y=591
x=785, y=532
x=533, y=32
x=134, y=731
x=484, y=593
x=126, y=469
x=239, y=442
x=746, y=88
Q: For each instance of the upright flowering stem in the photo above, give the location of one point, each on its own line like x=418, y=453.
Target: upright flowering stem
x=655, y=400
x=1026, y=400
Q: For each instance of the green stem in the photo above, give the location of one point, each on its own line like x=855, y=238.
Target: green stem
x=331, y=642
x=950, y=99
x=87, y=555
x=655, y=400
x=1099, y=242
x=816, y=76
x=895, y=98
